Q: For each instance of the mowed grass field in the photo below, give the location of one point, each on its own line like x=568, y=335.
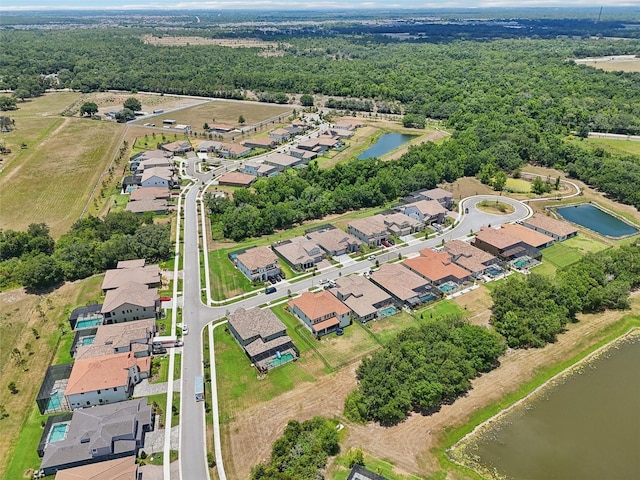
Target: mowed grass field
x=518, y=185
x=616, y=146
x=223, y=111
x=52, y=179
x=21, y=317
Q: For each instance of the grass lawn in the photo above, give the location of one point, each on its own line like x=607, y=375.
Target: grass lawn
x=560, y=255
x=20, y=315
x=73, y=152
x=623, y=147
x=339, y=470
x=585, y=244
x=386, y=329
x=226, y=280
x=238, y=384
x=518, y=185
x=163, y=370
x=497, y=208
x=545, y=268
x=160, y=399
x=438, y=309
x=25, y=454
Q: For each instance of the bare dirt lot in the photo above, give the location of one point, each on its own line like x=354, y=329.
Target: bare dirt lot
x=408, y=445
x=180, y=41
x=615, y=63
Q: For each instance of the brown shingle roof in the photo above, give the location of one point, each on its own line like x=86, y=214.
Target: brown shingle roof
x=118, y=469
x=551, y=225
x=369, y=226
x=317, y=305
x=528, y=236
x=149, y=192
x=398, y=280
x=147, y=275
x=117, y=335
x=334, y=239
x=428, y=207
x=131, y=293
x=236, y=178
x=498, y=238
x=469, y=257
x=359, y=294
x=258, y=257
x=249, y=323
x=135, y=263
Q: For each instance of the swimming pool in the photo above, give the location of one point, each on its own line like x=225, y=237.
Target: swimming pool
x=58, y=432
x=386, y=311
x=89, y=322
x=494, y=271
x=88, y=340
x=521, y=262
x=55, y=401
x=428, y=298
x=284, y=358
x=448, y=287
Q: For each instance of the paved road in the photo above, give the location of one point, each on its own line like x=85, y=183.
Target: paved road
x=197, y=315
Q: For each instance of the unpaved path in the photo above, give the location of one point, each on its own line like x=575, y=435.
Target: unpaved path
x=406, y=445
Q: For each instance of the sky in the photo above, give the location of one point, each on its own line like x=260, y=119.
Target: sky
x=298, y=5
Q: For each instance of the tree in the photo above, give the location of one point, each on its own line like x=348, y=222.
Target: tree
x=40, y=271
x=125, y=115
x=355, y=456
x=88, y=108
x=413, y=120
x=205, y=127
x=306, y=100
x=12, y=388
x=499, y=181
x=133, y=104
x=241, y=120
x=7, y=103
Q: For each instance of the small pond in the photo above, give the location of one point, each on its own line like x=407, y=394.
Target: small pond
x=385, y=144
x=595, y=219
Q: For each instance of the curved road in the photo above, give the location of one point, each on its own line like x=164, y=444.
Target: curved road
x=193, y=460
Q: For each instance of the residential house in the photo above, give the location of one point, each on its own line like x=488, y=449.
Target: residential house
x=262, y=142
x=437, y=267
x=183, y=128
x=551, y=227
x=406, y=287
x=442, y=196
x=371, y=231
x=425, y=211
x=157, y=155
x=400, y=224
x=321, y=313
x=320, y=144
x=347, y=124
x=150, y=193
x=209, y=146
x=236, y=179
x=469, y=257
x=133, y=337
x=530, y=237
x=261, y=334
x=358, y=472
x=99, y=434
x=364, y=298
x=341, y=132
x=146, y=164
x=134, y=263
x=305, y=155
x=177, y=147
x=335, y=241
x=156, y=206
x=259, y=169
x=234, y=150
x=299, y=252
x=296, y=128
x=106, y=379
x=124, y=468
x=499, y=243
x=158, y=177
x=131, y=301
x=280, y=135
x=131, y=271
x=258, y=264
x=283, y=162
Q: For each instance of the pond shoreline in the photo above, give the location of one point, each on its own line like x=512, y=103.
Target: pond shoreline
x=459, y=453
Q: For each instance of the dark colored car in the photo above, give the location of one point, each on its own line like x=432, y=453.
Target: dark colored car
x=270, y=290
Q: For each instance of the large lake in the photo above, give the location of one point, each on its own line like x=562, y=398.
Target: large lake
x=584, y=426
x=386, y=143
x=595, y=219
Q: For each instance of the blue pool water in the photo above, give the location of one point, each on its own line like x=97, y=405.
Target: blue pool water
x=522, y=262
x=385, y=144
x=58, y=432
x=598, y=220
x=428, y=298
x=284, y=358
x=447, y=287
x=91, y=322
x=84, y=341
x=55, y=401
x=385, y=312
x=494, y=271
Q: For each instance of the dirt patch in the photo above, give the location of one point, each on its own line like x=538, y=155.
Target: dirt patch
x=179, y=41
x=409, y=444
x=476, y=305
x=467, y=186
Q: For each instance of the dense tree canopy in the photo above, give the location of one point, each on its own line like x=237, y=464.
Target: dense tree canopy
x=422, y=368
x=301, y=452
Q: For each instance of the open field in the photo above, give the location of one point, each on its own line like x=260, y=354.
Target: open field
x=518, y=185
x=616, y=146
x=616, y=63
x=468, y=186
x=113, y=101
x=226, y=112
x=182, y=41
x=562, y=254
x=51, y=180
x=21, y=314
x=226, y=280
